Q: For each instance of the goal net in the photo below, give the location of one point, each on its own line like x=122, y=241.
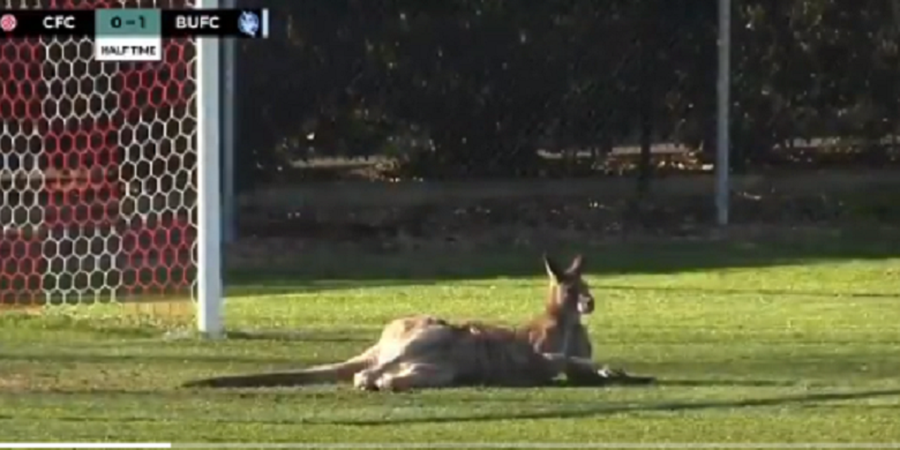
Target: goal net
x=98, y=172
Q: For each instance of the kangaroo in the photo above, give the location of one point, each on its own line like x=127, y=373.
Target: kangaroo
x=424, y=351
x=559, y=329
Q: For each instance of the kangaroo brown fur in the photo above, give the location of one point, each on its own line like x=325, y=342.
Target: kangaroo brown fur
x=559, y=329
x=427, y=352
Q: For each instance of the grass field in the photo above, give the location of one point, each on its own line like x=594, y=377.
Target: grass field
x=794, y=341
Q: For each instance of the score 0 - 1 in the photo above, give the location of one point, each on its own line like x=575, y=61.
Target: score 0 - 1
x=116, y=22
x=127, y=35
x=128, y=21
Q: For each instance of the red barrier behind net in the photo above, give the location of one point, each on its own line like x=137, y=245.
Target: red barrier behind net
x=97, y=169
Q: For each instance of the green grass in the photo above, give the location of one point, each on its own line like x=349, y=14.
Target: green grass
x=773, y=347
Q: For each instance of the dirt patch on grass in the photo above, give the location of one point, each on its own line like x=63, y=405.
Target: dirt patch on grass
x=13, y=382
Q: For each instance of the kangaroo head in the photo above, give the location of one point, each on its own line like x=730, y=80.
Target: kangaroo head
x=569, y=294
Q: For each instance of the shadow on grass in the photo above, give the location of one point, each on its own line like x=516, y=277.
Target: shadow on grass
x=713, y=383
x=317, y=270
x=351, y=336
x=263, y=363
x=571, y=412
x=600, y=410
x=667, y=383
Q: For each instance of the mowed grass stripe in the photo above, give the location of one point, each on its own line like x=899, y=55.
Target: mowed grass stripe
x=798, y=352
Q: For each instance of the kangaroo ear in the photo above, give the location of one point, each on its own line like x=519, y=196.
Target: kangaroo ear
x=553, y=270
x=575, y=268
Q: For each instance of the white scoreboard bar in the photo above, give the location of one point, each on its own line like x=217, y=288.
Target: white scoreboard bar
x=122, y=48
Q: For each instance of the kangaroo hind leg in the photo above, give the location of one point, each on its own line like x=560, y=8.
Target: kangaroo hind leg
x=417, y=376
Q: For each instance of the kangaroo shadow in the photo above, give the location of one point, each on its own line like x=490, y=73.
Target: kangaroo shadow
x=599, y=410
x=678, y=383
x=713, y=383
x=656, y=382
x=331, y=336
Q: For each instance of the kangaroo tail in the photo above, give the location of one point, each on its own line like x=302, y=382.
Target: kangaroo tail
x=326, y=373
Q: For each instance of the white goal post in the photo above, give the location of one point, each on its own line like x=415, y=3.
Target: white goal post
x=210, y=295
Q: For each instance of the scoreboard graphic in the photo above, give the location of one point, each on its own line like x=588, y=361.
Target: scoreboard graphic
x=100, y=159
x=135, y=34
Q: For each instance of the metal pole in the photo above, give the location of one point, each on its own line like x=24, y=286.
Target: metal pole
x=723, y=140
x=209, y=199
x=229, y=134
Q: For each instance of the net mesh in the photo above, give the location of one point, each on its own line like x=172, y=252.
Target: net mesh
x=97, y=170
